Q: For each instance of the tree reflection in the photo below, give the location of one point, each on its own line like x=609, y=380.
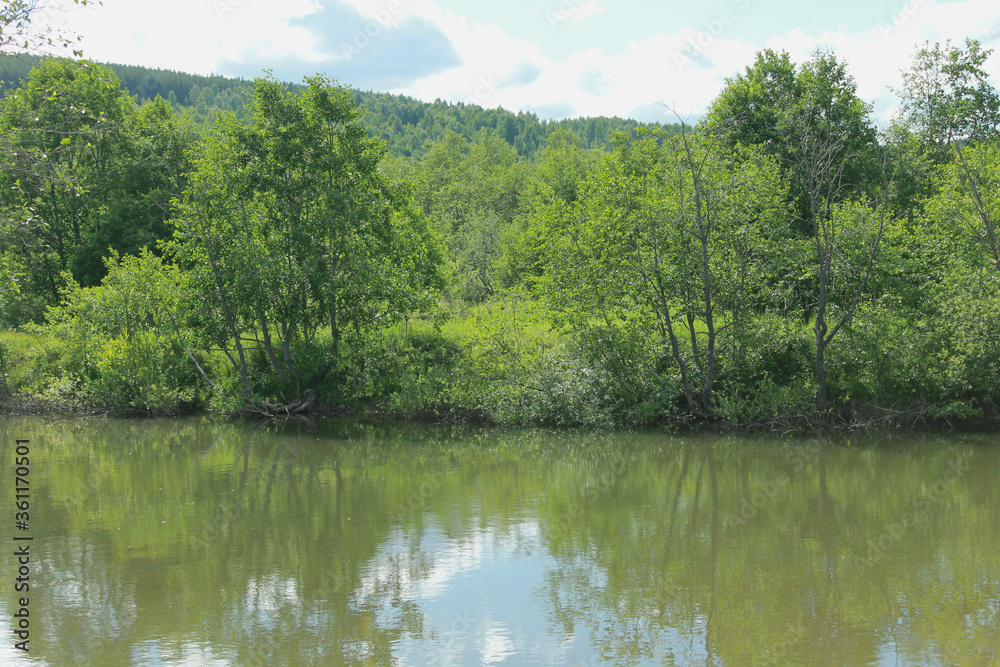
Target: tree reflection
x=353, y=544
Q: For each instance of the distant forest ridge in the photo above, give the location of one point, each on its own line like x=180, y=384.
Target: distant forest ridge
x=406, y=124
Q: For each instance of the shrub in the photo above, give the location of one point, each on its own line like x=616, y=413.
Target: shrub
x=770, y=374
x=145, y=373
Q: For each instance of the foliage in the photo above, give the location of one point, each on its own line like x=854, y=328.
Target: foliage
x=254, y=246
x=408, y=126
x=472, y=194
x=5, y=367
x=772, y=375
x=121, y=343
x=64, y=128
x=773, y=102
x=288, y=226
x=947, y=97
x=149, y=174
x=84, y=171
x=667, y=230
x=503, y=363
x=967, y=206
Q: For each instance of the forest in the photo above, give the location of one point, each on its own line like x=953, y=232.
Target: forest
x=408, y=126
x=172, y=243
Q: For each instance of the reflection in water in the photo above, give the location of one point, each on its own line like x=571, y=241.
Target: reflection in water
x=458, y=592
x=188, y=542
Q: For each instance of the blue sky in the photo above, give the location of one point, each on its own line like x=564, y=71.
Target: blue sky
x=558, y=58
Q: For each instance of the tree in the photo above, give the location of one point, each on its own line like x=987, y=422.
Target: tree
x=947, y=97
x=147, y=172
x=64, y=130
x=124, y=340
x=967, y=208
x=750, y=108
x=814, y=122
x=665, y=230
x=562, y=167
x=19, y=30
x=763, y=106
x=473, y=192
x=848, y=223
x=288, y=228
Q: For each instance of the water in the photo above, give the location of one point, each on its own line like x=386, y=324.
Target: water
x=192, y=542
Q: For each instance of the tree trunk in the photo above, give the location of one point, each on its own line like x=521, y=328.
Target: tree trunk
x=820, y=329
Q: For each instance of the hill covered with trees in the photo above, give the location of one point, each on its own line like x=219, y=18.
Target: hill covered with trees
x=407, y=125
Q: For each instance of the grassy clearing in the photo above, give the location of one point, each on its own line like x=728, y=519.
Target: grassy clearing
x=31, y=364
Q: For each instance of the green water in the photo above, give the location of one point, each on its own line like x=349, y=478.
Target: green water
x=194, y=542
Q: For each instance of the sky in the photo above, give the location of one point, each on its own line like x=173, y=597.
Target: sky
x=651, y=61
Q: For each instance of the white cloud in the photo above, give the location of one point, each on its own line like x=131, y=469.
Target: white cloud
x=685, y=68
x=189, y=35
x=490, y=57
x=877, y=56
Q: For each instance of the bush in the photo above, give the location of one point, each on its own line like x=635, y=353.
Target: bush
x=114, y=345
x=146, y=373
x=39, y=364
x=514, y=369
x=772, y=375
x=630, y=380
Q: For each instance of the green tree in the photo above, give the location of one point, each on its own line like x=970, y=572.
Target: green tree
x=769, y=104
x=812, y=120
x=847, y=221
x=148, y=172
x=563, y=164
x=288, y=228
x=667, y=230
x=64, y=128
x=967, y=208
x=749, y=109
x=124, y=339
x=473, y=192
x=20, y=31
x=947, y=97
x=562, y=167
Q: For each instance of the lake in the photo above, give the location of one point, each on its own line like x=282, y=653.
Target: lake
x=200, y=542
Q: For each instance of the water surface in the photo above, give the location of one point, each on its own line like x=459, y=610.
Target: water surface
x=193, y=542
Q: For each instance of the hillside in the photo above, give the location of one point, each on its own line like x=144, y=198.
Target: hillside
x=406, y=124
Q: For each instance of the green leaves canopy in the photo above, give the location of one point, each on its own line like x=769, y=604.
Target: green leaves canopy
x=672, y=230
x=289, y=227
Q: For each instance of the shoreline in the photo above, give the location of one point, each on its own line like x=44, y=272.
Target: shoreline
x=839, y=421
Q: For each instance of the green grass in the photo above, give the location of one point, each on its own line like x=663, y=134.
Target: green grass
x=29, y=360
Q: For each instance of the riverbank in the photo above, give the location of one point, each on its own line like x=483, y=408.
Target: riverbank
x=876, y=421
x=499, y=364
